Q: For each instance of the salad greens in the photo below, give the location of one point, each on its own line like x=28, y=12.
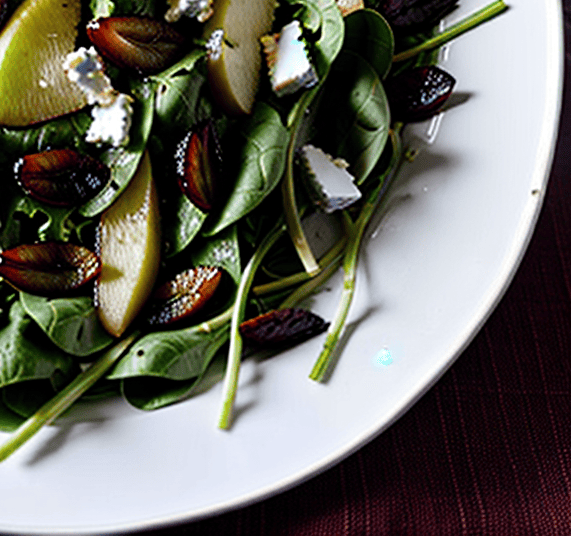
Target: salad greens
x=255, y=234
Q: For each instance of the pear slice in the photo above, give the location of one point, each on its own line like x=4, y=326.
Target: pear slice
x=33, y=46
x=129, y=246
x=235, y=73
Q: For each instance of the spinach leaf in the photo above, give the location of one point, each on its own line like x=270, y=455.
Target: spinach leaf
x=24, y=354
x=56, y=223
x=181, y=222
x=142, y=8
x=9, y=420
x=70, y=323
x=323, y=18
x=368, y=34
x=358, y=130
x=158, y=359
x=31, y=369
x=154, y=393
x=221, y=250
x=123, y=161
x=181, y=97
x=63, y=132
x=259, y=155
x=182, y=100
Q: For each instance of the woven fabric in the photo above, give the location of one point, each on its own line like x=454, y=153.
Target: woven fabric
x=487, y=450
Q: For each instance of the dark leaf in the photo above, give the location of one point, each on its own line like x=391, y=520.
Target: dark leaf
x=61, y=177
x=417, y=94
x=49, y=268
x=282, y=327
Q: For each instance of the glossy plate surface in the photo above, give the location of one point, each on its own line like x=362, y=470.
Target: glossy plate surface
x=457, y=224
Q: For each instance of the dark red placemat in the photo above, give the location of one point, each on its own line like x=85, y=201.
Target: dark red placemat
x=487, y=450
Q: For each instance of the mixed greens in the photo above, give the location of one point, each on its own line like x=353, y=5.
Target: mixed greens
x=246, y=219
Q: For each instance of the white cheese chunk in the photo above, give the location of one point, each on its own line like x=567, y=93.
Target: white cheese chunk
x=286, y=56
x=330, y=185
x=199, y=9
x=214, y=44
x=85, y=68
x=112, y=111
x=111, y=123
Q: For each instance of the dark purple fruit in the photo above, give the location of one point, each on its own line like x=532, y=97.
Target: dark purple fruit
x=184, y=295
x=145, y=45
x=282, y=327
x=407, y=13
x=61, y=177
x=49, y=268
x=198, y=165
x=417, y=94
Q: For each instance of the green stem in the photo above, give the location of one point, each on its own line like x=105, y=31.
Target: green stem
x=235, y=351
x=214, y=323
x=293, y=219
x=301, y=277
x=308, y=288
x=322, y=364
x=471, y=21
x=65, y=398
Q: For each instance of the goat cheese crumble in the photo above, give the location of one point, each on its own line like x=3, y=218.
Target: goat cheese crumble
x=329, y=183
x=287, y=59
x=112, y=111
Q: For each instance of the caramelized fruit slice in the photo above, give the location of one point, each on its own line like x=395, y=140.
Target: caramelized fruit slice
x=129, y=246
x=33, y=47
x=61, y=177
x=49, y=268
x=419, y=93
x=145, y=45
x=234, y=74
x=282, y=327
x=184, y=295
x=198, y=165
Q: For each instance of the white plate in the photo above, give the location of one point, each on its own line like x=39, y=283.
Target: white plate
x=457, y=226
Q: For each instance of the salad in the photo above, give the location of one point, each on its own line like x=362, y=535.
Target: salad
x=166, y=166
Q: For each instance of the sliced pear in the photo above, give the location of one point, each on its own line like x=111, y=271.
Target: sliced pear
x=129, y=246
x=235, y=73
x=33, y=46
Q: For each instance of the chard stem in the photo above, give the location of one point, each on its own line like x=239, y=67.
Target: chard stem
x=471, y=21
x=309, y=287
x=65, y=398
x=321, y=366
x=293, y=219
x=235, y=351
x=301, y=277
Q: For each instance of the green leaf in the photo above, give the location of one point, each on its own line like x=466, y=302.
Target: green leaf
x=181, y=102
x=68, y=131
x=101, y=8
x=323, y=17
x=174, y=354
x=221, y=250
x=123, y=161
x=166, y=367
x=31, y=369
x=70, y=323
x=9, y=420
x=368, y=34
x=24, y=354
x=358, y=130
x=182, y=222
x=153, y=393
x=259, y=160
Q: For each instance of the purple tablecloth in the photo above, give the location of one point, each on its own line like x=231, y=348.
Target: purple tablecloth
x=487, y=450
